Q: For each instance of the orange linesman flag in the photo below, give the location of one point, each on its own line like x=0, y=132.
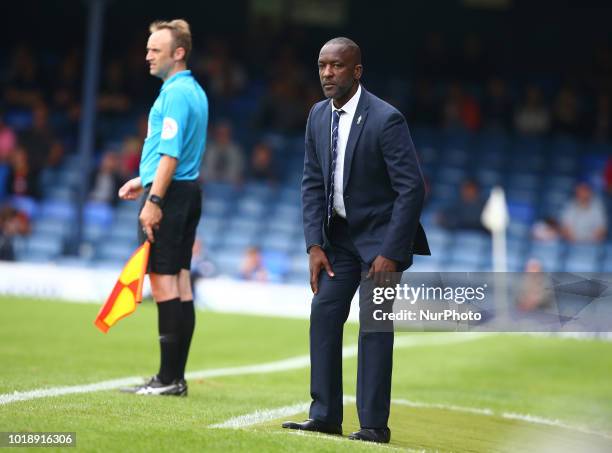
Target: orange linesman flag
x=127, y=291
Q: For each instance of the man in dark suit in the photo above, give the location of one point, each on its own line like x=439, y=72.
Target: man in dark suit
x=362, y=195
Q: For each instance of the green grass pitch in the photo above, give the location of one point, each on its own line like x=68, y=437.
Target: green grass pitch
x=48, y=344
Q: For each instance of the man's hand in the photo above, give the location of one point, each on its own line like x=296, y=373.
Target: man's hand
x=131, y=189
x=150, y=217
x=380, y=269
x=317, y=261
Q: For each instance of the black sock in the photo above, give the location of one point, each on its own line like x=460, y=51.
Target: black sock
x=187, y=327
x=169, y=325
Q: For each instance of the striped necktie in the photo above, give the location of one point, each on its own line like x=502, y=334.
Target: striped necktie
x=334, y=147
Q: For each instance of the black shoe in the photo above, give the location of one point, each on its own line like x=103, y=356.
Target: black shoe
x=155, y=386
x=315, y=425
x=378, y=435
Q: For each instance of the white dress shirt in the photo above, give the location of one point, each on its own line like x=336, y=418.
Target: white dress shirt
x=344, y=129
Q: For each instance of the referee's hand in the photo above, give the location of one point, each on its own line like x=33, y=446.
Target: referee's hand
x=150, y=218
x=131, y=189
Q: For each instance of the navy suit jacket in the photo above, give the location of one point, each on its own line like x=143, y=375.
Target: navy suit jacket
x=383, y=184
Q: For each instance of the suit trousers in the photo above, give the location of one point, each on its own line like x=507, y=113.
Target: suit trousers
x=329, y=311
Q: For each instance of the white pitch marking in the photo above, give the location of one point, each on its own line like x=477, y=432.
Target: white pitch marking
x=255, y=418
x=263, y=416
x=292, y=363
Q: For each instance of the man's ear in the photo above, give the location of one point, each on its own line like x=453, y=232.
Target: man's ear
x=179, y=53
x=358, y=71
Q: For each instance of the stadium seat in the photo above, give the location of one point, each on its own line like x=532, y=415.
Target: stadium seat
x=229, y=262
x=27, y=205
x=58, y=210
x=53, y=228
x=43, y=246
x=116, y=251
x=276, y=263
x=98, y=213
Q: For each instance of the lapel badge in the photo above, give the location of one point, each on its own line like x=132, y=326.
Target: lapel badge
x=358, y=120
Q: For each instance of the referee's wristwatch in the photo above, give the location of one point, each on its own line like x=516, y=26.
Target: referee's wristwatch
x=155, y=199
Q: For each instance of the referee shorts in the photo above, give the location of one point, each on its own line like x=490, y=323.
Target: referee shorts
x=176, y=234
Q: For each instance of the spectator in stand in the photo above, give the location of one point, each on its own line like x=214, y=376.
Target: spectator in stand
x=130, y=156
x=472, y=66
x=67, y=84
x=584, y=217
x=113, y=98
x=608, y=176
x=566, y=115
x=532, y=117
x=225, y=77
x=8, y=140
x=497, y=107
x=12, y=223
x=22, y=181
x=252, y=267
x=23, y=81
x=461, y=110
x=425, y=108
x=535, y=290
x=283, y=108
x=43, y=148
x=142, y=126
x=224, y=159
x=201, y=265
x=602, y=121
x=262, y=164
x=107, y=180
x=546, y=230
x=465, y=213
x=65, y=94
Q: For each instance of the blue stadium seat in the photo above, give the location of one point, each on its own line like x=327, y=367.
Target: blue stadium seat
x=488, y=177
x=218, y=191
x=428, y=155
x=123, y=232
x=521, y=212
x=98, y=213
x=117, y=251
x=214, y=207
x=60, y=193
x=94, y=232
x=276, y=263
x=580, y=266
x=4, y=173
x=58, y=210
x=451, y=175
x=27, y=205
x=51, y=227
x=279, y=242
x=42, y=246
x=251, y=207
x=228, y=262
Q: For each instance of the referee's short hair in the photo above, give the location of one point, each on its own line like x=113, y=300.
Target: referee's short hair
x=181, y=33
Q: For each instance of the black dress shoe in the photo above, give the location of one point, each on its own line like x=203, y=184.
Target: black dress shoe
x=315, y=425
x=378, y=435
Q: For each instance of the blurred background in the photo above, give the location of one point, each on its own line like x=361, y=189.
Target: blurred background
x=496, y=92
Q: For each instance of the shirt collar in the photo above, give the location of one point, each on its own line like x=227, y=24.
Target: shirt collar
x=175, y=77
x=351, y=105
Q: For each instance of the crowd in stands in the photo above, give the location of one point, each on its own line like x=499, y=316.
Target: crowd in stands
x=253, y=103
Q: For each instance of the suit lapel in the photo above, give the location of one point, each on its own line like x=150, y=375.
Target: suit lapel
x=359, y=119
x=325, y=143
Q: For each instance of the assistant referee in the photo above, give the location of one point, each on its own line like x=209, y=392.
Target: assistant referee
x=171, y=208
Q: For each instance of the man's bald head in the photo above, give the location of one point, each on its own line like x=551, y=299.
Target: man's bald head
x=347, y=45
x=340, y=69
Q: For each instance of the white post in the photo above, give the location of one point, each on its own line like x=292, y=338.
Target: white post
x=495, y=218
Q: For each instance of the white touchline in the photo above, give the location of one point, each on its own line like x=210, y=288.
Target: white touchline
x=292, y=363
x=262, y=416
